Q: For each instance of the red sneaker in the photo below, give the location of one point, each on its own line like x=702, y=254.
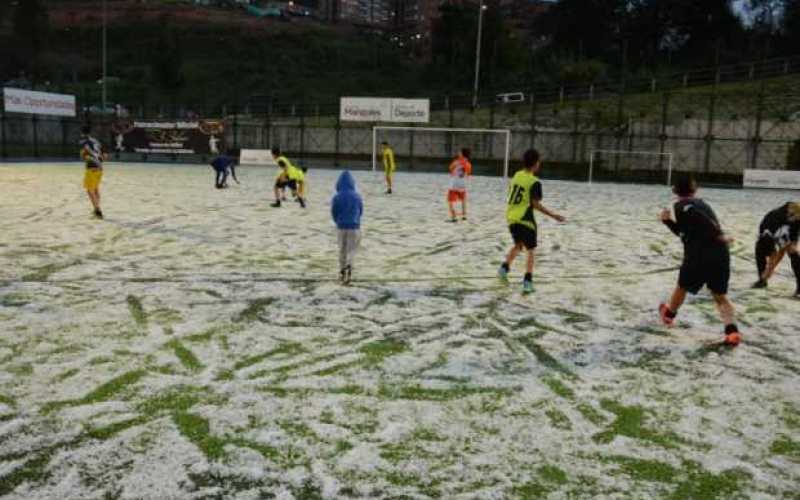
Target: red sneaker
x=733, y=339
x=662, y=311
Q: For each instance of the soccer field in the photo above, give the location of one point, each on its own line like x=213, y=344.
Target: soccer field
x=196, y=344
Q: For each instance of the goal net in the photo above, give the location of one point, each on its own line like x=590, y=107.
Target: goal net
x=427, y=149
x=638, y=166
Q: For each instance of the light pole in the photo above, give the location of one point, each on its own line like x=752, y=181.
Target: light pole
x=481, y=8
x=105, y=56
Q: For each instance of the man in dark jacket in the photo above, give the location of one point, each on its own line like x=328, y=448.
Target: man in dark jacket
x=346, y=209
x=221, y=164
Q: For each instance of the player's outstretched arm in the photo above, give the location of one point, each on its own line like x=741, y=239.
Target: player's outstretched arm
x=537, y=205
x=666, y=219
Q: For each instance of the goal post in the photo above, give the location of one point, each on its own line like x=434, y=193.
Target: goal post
x=442, y=143
x=644, y=163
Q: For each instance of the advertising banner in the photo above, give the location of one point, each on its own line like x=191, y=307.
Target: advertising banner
x=256, y=157
x=170, y=137
x=772, y=179
x=373, y=109
x=38, y=103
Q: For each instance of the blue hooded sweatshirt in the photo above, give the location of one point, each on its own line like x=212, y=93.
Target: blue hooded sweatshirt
x=346, y=206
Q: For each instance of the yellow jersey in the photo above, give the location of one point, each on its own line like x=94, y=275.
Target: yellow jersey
x=521, y=193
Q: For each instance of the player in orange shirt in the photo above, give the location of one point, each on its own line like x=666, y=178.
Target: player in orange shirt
x=460, y=169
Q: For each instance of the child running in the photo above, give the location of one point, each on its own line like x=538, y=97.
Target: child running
x=346, y=209
x=525, y=196
x=706, y=258
x=92, y=155
x=460, y=169
x=777, y=236
x=388, y=165
x=288, y=176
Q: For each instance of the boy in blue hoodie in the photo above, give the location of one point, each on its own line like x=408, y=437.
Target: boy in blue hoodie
x=347, y=208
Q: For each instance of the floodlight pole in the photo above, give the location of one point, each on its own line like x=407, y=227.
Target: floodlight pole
x=478, y=54
x=105, y=55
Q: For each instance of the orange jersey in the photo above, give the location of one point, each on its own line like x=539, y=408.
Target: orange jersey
x=460, y=169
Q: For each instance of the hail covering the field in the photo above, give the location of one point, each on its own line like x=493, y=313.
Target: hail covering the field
x=196, y=344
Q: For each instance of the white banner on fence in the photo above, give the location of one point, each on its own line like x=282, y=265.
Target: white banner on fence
x=772, y=179
x=38, y=103
x=256, y=157
x=375, y=109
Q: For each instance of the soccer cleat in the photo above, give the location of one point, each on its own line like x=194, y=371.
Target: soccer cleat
x=663, y=311
x=98, y=213
x=760, y=284
x=464, y=218
x=453, y=220
x=527, y=287
x=733, y=339
x=347, y=275
x=502, y=273
x=389, y=191
x=276, y=204
x=302, y=202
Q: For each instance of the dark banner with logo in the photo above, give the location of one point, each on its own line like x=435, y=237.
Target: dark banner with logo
x=169, y=137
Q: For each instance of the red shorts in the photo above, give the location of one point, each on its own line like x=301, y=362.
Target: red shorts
x=454, y=196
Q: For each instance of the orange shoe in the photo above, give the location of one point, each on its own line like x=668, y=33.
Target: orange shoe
x=733, y=339
x=665, y=318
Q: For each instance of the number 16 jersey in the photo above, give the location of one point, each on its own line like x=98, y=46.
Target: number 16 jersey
x=524, y=188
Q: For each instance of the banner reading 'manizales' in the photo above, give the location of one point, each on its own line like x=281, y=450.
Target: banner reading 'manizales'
x=170, y=137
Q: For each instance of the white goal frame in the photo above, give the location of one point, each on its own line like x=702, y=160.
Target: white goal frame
x=506, y=132
x=624, y=152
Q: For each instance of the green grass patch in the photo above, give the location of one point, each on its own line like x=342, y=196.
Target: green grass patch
x=185, y=356
x=786, y=446
x=700, y=483
x=254, y=309
x=44, y=272
x=559, y=388
x=629, y=422
x=65, y=375
x=545, y=358
x=425, y=394
x=376, y=352
x=102, y=393
x=177, y=399
x=14, y=300
x=33, y=471
x=109, y=431
x=8, y=401
x=197, y=430
x=137, y=310
x=591, y=414
x=645, y=470
x=558, y=419
x=289, y=349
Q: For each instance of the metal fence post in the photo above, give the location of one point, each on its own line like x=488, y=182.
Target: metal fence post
x=709, y=138
x=269, y=122
x=663, y=136
x=3, y=140
x=63, y=137
x=302, y=130
x=450, y=123
x=411, y=149
x=236, y=127
x=575, y=129
x=35, y=121
x=533, y=120
x=338, y=140
x=621, y=104
x=756, y=140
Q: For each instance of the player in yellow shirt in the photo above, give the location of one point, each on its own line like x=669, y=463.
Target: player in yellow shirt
x=525, y=196
x=92, y=155
x=288, y=176
x=389, y=165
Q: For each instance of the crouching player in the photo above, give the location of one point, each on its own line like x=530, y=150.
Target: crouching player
x=777, y=236
x=288, y=176
x=706, y=258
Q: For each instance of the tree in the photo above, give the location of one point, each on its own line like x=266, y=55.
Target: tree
x=31, y=31
x=167, y=61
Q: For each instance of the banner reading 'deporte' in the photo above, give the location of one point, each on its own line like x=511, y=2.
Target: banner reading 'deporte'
x=170, y=137
x=38, y=103
x=377, y=109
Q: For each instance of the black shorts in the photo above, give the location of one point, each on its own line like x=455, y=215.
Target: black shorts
x=291, y=184
x=709, y=267
x=523, y=235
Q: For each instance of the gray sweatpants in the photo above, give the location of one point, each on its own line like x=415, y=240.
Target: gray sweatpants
x=349, y=239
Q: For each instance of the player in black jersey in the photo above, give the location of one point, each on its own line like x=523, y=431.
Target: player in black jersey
x=777, y=236
x=706, y=258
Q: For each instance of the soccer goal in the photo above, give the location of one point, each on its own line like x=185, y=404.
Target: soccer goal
x=431, y=147
x=636, y=165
